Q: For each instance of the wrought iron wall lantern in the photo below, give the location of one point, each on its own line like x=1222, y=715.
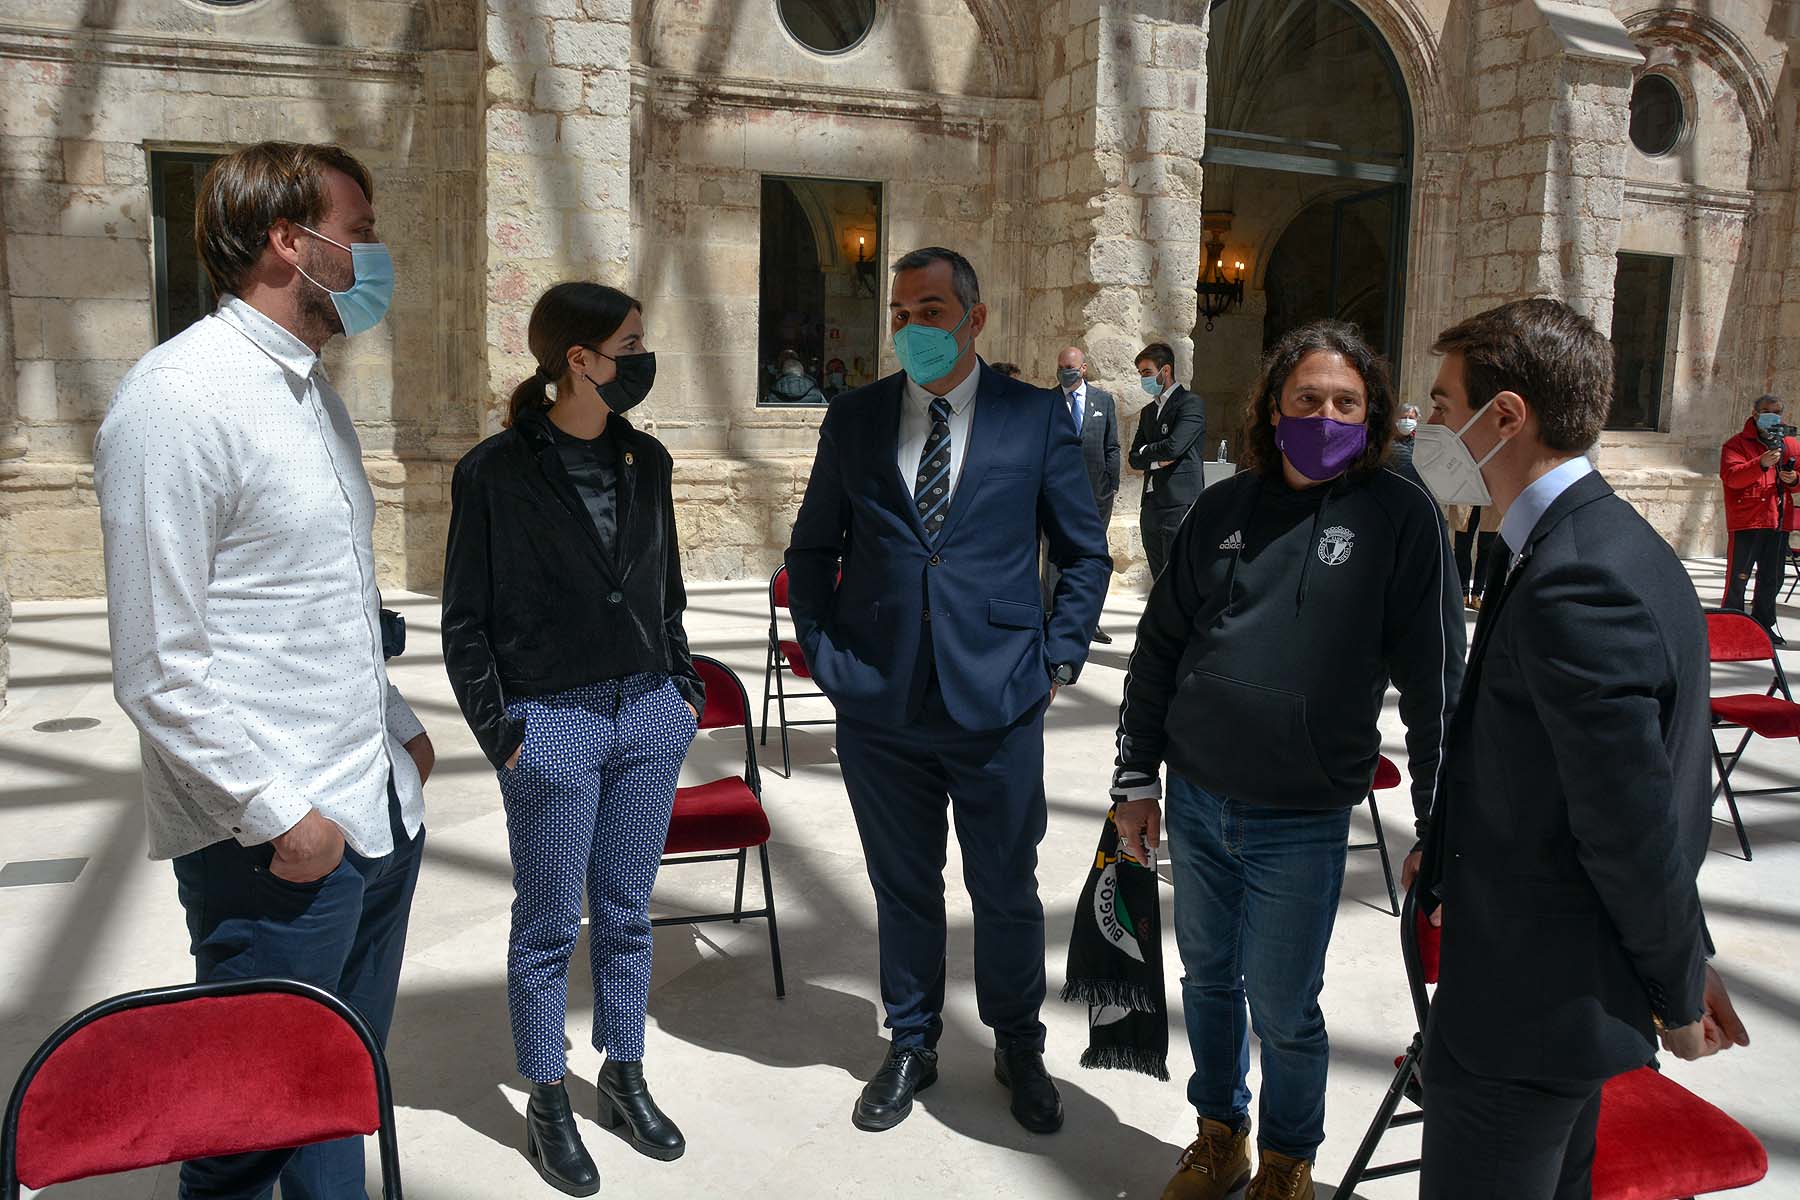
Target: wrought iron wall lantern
x=865, y=268
x=1218, y=291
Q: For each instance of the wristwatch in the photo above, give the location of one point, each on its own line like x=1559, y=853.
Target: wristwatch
x=1062, y=674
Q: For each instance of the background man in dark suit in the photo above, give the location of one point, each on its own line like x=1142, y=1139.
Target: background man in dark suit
x=1575, y=802
x=1168, y=449
x=1096, y=420
x=930, y=490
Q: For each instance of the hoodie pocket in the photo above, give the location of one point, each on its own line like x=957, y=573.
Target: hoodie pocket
x=1246, y=740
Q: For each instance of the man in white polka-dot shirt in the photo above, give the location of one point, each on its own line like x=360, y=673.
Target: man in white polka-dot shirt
x=283, y=772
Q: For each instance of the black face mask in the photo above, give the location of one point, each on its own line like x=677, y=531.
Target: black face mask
x=628, y=387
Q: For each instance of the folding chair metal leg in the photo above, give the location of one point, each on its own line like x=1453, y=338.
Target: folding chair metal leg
x=1384, y=1117
x=787, y=765
x=769, y=661
x=1730, y=798
x=774, y=934
x=737, y=907
x=1387, y=868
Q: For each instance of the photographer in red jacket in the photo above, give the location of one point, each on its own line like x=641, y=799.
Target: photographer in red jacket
x=1758, y=470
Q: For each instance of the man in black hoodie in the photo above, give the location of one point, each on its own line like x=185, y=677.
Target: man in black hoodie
x=1293, y=593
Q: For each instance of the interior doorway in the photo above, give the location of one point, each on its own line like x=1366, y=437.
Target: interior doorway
x=1308, y=174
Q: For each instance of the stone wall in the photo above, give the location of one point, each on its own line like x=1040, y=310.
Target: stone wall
x=394, y=82
x=720, y=100
x=1056, y=142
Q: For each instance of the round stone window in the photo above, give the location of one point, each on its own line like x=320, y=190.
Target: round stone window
x=827, y=26
x=1657, y=115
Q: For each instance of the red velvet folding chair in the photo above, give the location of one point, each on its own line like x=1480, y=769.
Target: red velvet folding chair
x=1387, y=776
x=1734, y=637
x=135, y=1082
x=785, y=657
x=1656, y=1140
x=720, y=821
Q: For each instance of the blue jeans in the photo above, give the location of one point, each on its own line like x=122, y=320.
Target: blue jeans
x=1256, y=894
x=345, y=933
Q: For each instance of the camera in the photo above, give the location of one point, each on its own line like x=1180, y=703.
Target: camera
x=393, y=633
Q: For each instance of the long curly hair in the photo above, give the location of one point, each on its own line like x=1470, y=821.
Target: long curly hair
x=1256, y=443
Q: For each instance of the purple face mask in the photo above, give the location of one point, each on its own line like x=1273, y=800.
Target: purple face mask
x=1319, y=447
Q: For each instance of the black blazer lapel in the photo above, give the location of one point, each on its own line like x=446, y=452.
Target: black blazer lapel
x=1582, y=492
x=631, y=461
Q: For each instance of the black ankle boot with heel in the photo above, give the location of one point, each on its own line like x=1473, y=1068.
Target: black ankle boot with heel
x=625, y=1103
x=553, y=1144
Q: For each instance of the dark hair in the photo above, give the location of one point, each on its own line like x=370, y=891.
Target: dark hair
x=1550, y=355
x=1765, y=398
x=962, y=275
x=1158, y=354
x=1256, y=445
x=566, y=316
x=247, y=191
x=1010, y=370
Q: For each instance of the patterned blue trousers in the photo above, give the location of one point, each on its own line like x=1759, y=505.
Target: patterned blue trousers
x=588, y=804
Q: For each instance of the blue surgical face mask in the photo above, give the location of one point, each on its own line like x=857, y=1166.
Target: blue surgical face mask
x=1767, y=422
x=1152, y=386
x=366, y=301
x=927, y=353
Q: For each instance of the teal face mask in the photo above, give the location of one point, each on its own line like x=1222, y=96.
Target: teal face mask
x=927, y=353
x=1151, y=385
x=366, y=301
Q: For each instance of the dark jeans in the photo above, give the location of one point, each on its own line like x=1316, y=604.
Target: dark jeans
x=1256, y=895
x=345, y=933
x=1763, y=551
x=1504, y=1139
x=900, y=779
x=1471, y=551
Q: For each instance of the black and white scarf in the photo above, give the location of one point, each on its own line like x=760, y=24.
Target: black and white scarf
x=1115, y=964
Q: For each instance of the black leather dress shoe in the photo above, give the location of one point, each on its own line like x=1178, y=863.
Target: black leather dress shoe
x=887, y=1099
x=1035, y=1104
x=1102, y=637
x=625, y=1103
x=553, y=1144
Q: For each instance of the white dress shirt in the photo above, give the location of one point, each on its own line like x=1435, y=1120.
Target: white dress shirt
x=915, y=427
x=1521, y=520
x=241, y=598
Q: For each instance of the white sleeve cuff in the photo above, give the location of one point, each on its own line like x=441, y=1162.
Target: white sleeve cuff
x=1138, y=788
x=402, y=722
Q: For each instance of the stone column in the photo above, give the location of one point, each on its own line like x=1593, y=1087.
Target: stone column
x=1118, y=232
x=557, y=174
x=1543, y=182
x=1118, y=176
x=12, y=441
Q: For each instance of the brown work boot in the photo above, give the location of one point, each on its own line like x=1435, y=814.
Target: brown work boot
x=1214, y=1167
x=1281, y=1178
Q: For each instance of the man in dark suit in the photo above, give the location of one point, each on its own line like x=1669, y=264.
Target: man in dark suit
x=1169, y=449
x=929, y=492
x=1574, y=810
x=1096, y=420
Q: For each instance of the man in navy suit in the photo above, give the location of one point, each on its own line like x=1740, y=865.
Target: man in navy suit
x=930, y=491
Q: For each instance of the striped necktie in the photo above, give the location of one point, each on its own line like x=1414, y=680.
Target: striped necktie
x=931, y=493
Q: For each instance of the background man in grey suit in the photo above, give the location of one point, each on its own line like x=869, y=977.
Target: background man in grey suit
x=1096, y=420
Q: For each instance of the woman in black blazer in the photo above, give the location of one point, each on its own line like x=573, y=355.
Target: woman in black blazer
x=563, y=638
